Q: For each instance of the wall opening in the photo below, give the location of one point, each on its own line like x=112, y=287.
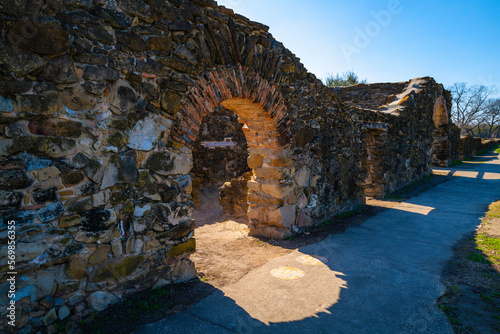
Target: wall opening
x=375, y=182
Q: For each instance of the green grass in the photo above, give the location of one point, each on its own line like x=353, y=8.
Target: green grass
x=494, y=211
x=455, y=163
x=497, y=150
x=476, y=257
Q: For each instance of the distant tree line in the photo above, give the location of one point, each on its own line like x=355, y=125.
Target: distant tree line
x=474, y=111
x=348, y=78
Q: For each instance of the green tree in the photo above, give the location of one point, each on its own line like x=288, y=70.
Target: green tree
x=348, y=78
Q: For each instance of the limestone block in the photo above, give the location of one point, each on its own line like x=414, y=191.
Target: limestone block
x=269, y=173
x=255, y=161
x=76, y=268
x=100, y=300
x=284, y=216
x=302, y=177
x=254, y=185
x=145, y=135
x=100, y=254
x=277, y=190
x=123, y=96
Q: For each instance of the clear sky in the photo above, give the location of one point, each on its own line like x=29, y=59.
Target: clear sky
x=387, y=40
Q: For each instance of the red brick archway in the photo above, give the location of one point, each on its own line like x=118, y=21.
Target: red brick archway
x=260, y=107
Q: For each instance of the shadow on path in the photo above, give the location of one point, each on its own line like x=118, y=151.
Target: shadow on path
x=383, y=276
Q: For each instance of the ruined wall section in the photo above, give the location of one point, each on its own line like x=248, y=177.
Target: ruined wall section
x=400, y=135
x=370, y=96
x=89, y=168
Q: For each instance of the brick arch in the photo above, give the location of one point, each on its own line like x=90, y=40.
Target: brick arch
x=229, y=84
x=440, y=114
x=261, y=108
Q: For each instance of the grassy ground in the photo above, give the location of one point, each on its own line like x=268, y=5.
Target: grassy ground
x=472, y=299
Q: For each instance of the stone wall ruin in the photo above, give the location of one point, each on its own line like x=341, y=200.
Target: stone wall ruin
x=102, y=104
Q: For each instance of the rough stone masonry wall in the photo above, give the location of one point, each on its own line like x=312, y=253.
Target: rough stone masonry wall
x=470, y=146
x=100, y=105
x=399, y=132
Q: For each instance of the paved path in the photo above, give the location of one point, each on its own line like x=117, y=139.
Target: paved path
x=381, y=277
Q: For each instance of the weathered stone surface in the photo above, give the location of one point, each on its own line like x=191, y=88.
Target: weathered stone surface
x=132, y=41
x=145, y=135
x=170, y=102
x=34, y=36
x=95, y=220
x=15, y=130
x=159, y=162
x=101, y=300
x=69, y=221
x=96, y=88
x=19, y=62
x=50, y=212
x=255, y=161
x=77, y=99
x=180, y=231
x=32, y=162
x=60, y=70
x=97, y=73
x=173, y=213
x=45, y=195
x=10, y=200
x=6, y=104
x=42, y=128
x=54, y=147
x=162, y=43
x=14, y=179
x=63, y=312
x=304, y=136
x=117, y=269
x=47, y=104
x=73, y=178
x=50, y=317
x=137, y=8
x=76, y=268
x=20, y=217
x=69, y=128
x=100, y=254
x=123, y=96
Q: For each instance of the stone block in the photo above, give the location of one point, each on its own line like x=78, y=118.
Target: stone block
x=144, y=136
x=46, y=104
x=284, y=216
x=302, y=177
x=123, y=96
x=38, y=37
x=269, y=173
x=280, y=191
x=48, y=173
x=69, y=221
x=60, y=70
x=100, y=254
x=101, y=300
x=72, y=178
x=255, y=161
x=50, y=212
x=95, y=220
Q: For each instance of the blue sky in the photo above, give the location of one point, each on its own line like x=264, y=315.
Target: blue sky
x=387, y=40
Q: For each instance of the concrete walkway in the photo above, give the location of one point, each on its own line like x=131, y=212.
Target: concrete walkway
x=381, y=277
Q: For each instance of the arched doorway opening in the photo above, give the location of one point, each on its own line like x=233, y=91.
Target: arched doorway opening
x=261, y=111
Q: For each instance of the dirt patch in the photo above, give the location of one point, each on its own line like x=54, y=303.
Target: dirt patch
x=472, y=277
x=225, y=253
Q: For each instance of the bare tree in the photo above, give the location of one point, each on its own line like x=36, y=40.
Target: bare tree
x=490, y=127
x=470, y=105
